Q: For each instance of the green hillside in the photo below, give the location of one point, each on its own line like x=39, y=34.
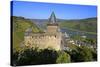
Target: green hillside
x=88, y=25
x=20, y=24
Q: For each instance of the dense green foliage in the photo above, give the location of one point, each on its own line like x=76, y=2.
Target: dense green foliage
x=82, y=54
x=20, y=24
x=34, y=56
x=63, y=57
x=31, y=56
x=87, y=25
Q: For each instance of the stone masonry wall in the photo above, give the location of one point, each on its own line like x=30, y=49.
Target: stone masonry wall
x=44, y=40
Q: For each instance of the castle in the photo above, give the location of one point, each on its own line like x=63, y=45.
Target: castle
x=52, y=38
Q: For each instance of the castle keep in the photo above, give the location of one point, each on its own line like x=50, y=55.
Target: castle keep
x=49, y=39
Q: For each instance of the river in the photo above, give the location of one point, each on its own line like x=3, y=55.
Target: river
x=80, y=33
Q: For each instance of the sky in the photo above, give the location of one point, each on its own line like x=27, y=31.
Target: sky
x=38, y=10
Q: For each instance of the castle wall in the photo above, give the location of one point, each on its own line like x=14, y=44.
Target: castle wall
x=44, y=40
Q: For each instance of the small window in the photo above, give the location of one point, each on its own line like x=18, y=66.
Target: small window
x=55, y=36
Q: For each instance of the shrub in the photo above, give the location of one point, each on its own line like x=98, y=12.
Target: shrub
x=43, y=56
x=82, y=54
x=63, y=57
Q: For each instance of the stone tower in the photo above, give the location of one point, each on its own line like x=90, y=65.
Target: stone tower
x=52, y=26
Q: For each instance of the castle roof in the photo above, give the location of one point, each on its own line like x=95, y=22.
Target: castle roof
x=52, y=19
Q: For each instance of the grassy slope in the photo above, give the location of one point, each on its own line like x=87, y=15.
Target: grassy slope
x=19, y=26
x=88, y=25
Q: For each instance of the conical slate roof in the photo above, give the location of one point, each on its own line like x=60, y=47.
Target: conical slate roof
x=52, y=18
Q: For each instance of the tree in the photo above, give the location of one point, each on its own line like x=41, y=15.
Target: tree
x=81, y=54
x=63, y=57
x=40, y=56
